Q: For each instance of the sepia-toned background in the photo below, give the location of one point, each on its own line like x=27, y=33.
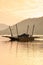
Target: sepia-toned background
x=12, y=12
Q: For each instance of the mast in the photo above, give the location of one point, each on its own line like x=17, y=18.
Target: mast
x=33, y=29
x=27, y=29
x=11, y=31
x=17, y=29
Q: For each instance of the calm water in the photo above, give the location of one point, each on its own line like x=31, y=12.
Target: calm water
x=16, y=53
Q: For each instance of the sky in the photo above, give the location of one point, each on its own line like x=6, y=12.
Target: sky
x=14, y=11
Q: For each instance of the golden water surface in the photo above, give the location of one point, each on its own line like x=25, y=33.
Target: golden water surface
x=16, y=53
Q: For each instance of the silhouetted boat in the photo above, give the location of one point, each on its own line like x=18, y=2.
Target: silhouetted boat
x=23, y=37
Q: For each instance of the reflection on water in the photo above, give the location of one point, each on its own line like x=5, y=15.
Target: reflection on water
x=16, y=53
